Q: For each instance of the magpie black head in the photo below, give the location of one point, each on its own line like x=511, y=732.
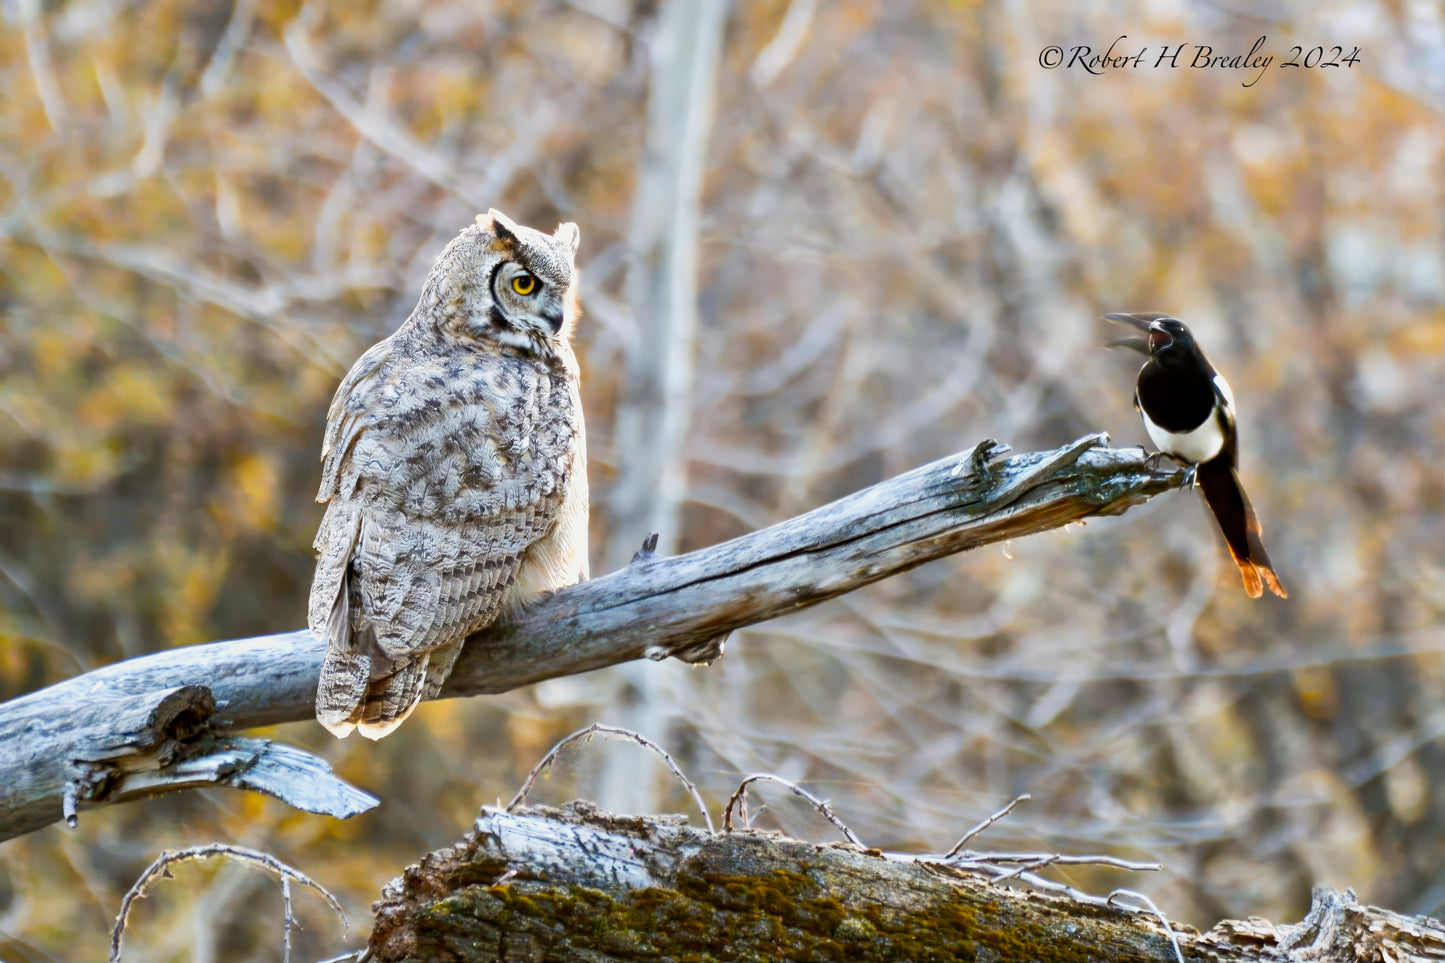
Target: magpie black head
x=1170, y=342
x=1165, y=340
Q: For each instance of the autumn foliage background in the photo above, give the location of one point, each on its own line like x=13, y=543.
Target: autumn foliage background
x=907, y=231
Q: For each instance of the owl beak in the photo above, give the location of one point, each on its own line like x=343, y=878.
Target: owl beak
x=554, y=319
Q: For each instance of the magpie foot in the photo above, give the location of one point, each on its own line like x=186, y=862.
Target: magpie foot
x=1162, y=459
x=977, y=462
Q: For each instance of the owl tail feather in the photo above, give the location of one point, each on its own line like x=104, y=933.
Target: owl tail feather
x=339, y=694
x=440, y=666
x=346, y=667
x=390, y=699
x=345, y=672
x=347, y=697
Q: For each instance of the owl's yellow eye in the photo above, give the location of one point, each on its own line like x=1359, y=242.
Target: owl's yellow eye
x=524, y=284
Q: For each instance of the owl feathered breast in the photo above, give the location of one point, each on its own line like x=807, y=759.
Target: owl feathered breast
x=446, y=460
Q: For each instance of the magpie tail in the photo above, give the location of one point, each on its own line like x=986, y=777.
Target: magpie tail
x=1219, y=481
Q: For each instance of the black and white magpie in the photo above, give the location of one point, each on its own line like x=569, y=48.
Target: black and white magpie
x=1188, y=411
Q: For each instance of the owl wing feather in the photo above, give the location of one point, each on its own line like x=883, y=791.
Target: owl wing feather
x=452, y=584
x=422, y=538
x=346, y=668
x=344, y=421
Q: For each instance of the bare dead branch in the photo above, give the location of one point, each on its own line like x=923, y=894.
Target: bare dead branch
x=968, y=860
x=739, y=798
x=606, y=730
x=995, y=817
x=1024, y=869
x=390, y=136
x=781, y=50
x=1002, y=867
x=1163, y=920
x=37, y=50
x=164, y=721
x=241, y=853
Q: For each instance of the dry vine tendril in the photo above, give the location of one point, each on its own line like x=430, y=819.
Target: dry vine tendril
x=264, y=860
x=607, y=730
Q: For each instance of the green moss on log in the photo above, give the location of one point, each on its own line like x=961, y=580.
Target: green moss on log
x=750, y=896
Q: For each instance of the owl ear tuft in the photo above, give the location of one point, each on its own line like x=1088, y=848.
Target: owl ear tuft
x=500, y=224
x=569, y=235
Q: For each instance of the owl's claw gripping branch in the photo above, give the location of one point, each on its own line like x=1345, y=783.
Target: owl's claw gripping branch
x=74, y=737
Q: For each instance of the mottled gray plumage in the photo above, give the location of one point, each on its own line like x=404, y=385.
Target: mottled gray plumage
x=454, y=469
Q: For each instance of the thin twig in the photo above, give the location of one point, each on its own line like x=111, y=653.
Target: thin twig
x=958, y=846
x=288, y=919
x=68, y=806
x=1000, y=859
x=1169, y=930
x=995, y=872
x=636, y=737
x=1001, y=867
x=818, y=804
x=255, y=858
x=1025, y=868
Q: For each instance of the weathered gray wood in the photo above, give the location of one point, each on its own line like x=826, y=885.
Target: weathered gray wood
x=1336, y=928
x=76, y=740
x=114, y=746
x=577, y=884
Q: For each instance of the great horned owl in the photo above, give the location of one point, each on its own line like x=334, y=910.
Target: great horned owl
x=455, y=472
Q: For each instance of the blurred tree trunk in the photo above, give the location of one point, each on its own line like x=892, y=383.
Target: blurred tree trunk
x=656, y=403
x=580, y=884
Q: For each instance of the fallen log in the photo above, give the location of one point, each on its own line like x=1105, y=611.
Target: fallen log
x=578, y=884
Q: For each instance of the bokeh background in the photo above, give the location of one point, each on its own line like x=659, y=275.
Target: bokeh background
x=823, y=243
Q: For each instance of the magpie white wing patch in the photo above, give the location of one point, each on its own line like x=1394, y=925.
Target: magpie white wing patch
x=1222, y=387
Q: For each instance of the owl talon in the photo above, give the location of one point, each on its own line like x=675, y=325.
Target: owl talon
x=648, y=550
x=1189, y=476
x=705, y=652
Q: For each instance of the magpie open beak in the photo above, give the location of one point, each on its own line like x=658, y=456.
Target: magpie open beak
x=1158, y=338
x=1133, y=344
x=1131, y=320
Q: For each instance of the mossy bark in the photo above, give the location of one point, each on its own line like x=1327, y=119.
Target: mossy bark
x=580, y=885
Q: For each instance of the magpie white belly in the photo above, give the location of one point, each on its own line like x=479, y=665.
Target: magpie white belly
x=1195, y=446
